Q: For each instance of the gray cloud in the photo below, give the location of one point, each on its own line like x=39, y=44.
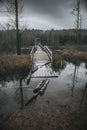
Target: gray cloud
x=84, y=3
x=51, y=8
x=51, y=13
x=55, y=12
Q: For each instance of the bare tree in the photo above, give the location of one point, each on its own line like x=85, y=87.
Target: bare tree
x=17, y=28
x=77, y=12
x=13, y=9
x=80, y=22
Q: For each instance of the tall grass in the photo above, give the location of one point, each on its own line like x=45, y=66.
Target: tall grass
x=14, y=66
x=58, y=62
x=76, y=57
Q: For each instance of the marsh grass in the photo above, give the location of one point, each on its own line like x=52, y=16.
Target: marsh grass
x=75, y=57
x=14, y=67
x=58, y=62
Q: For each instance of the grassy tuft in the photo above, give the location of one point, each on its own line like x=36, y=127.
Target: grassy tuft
x=58, y=62
x=75, y=57
x=14, y=66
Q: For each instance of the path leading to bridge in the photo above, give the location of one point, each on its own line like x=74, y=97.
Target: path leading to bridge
x=42, y=65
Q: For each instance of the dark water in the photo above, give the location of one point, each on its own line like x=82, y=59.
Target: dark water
x=67, y=88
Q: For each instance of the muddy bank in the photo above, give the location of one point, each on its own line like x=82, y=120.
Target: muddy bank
x=47, y=117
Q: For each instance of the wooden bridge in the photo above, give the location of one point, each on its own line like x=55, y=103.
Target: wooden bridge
x=42, y=62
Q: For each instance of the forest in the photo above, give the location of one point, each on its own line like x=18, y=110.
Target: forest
x=53, y=38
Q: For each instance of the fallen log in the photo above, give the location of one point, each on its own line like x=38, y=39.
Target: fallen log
x=44, y=87
x=41, y=91
x=39, y=86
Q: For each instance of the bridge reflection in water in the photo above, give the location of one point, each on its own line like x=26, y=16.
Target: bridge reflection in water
x=42, y=62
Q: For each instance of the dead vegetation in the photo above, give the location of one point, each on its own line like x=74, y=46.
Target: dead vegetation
x=76, y=57
x=58, y=62
x=13, y=66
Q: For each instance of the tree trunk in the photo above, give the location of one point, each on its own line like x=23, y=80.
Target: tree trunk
x=78, y=21
x=17, y=28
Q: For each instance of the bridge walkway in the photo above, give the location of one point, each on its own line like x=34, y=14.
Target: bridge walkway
x=42, y=65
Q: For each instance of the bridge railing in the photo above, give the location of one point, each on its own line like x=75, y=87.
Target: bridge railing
x=42, y=47
x=32, y=52
x=48, y=51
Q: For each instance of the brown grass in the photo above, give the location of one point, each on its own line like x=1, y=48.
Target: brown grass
x=16, y=60
x=14, y=66
x=58, y=62
x=76, y=57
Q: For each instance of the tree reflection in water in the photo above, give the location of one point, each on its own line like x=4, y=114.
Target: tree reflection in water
x=83, y=95
x=21, y=94
x=74, y=78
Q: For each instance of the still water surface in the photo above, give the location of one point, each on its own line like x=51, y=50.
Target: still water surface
x=66, y=88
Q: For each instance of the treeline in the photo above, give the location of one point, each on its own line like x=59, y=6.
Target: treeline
x=52, y=38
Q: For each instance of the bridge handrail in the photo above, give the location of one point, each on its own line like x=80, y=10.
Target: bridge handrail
x=44, y=48
x=32, y=50
x=41, y=46
x=48, y=51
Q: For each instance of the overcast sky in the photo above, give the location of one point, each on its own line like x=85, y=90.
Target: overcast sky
x=48, y=14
